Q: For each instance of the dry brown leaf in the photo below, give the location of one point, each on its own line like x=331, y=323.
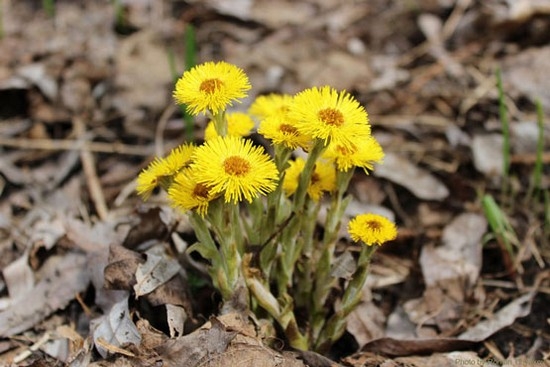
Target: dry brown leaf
x=437, y=310
x=121, y=268
x=388, y=270
x=467, y=340
x=366, y=323
x=155, y=271
x=176, y=317
x=459, y=257
x=417, y=180
x=63, y=277
x=37, y=75
x=519, y=11
x=399, y=325
x=527, y=73
x=115, y=329
x=505, y=317
x=196, y=348
x=338, y=69
x=143, y=73
x=450, y=271
x=19, y=278
x=149, y=224
x=487, y=154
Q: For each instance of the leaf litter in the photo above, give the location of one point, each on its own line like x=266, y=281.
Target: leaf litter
x=78, y=284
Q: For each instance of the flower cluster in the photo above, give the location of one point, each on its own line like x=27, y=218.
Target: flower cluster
x=255, y=214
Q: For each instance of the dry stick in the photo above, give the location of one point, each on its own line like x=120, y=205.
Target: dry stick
x=33, y=348
x=447, y=31
x=88, y=164
x=454, y=19
x=69, y=144
x=529, y=158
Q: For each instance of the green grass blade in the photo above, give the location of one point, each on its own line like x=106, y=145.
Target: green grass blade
x=500, y=227
x=190, y=47
x=49, y=7
x=119, y=14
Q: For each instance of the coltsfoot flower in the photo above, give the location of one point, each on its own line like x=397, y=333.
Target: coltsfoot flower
x=371, y=229
x=188, y=194
x=281, y=130
x=211, y=86
x=235, y=167
x=362, y=153
x=335, y=117
x=162, y=170
x=323, y=178
x=275, y=124
x=238, y=124
x=270, y=105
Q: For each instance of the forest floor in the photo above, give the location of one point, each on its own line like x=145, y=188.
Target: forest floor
x=85, y=105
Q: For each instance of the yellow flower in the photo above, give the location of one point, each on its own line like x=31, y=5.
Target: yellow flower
x=281, y=130
x=211, y=86
x=269, y=105
x=372, y=229
x=275, y=124
x=234, y=167
x=188, y=194
x=323, y=178
x=363, y=153
x=292, y=176
x=238, y=124
x=161, y=170
x=335, y=117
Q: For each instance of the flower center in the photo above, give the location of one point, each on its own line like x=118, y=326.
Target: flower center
x=210, y=85
x=200, y=191
x=331, y=116
x=236, y=166
x=374, y=225
x=315, y=178
x=288, y=129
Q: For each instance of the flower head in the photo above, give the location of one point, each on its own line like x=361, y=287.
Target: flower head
x=335, y=117
x=275, y=123
x=162, y=170
x=236, y=168
x=363, y=153
x=371, y=229
x=211, y=86
x=188, y=194
x=323, y=178
x=281, y=130
x=269, y=105
x=238, y=124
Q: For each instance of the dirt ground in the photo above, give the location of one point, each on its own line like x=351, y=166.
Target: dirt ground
x=85, y=104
